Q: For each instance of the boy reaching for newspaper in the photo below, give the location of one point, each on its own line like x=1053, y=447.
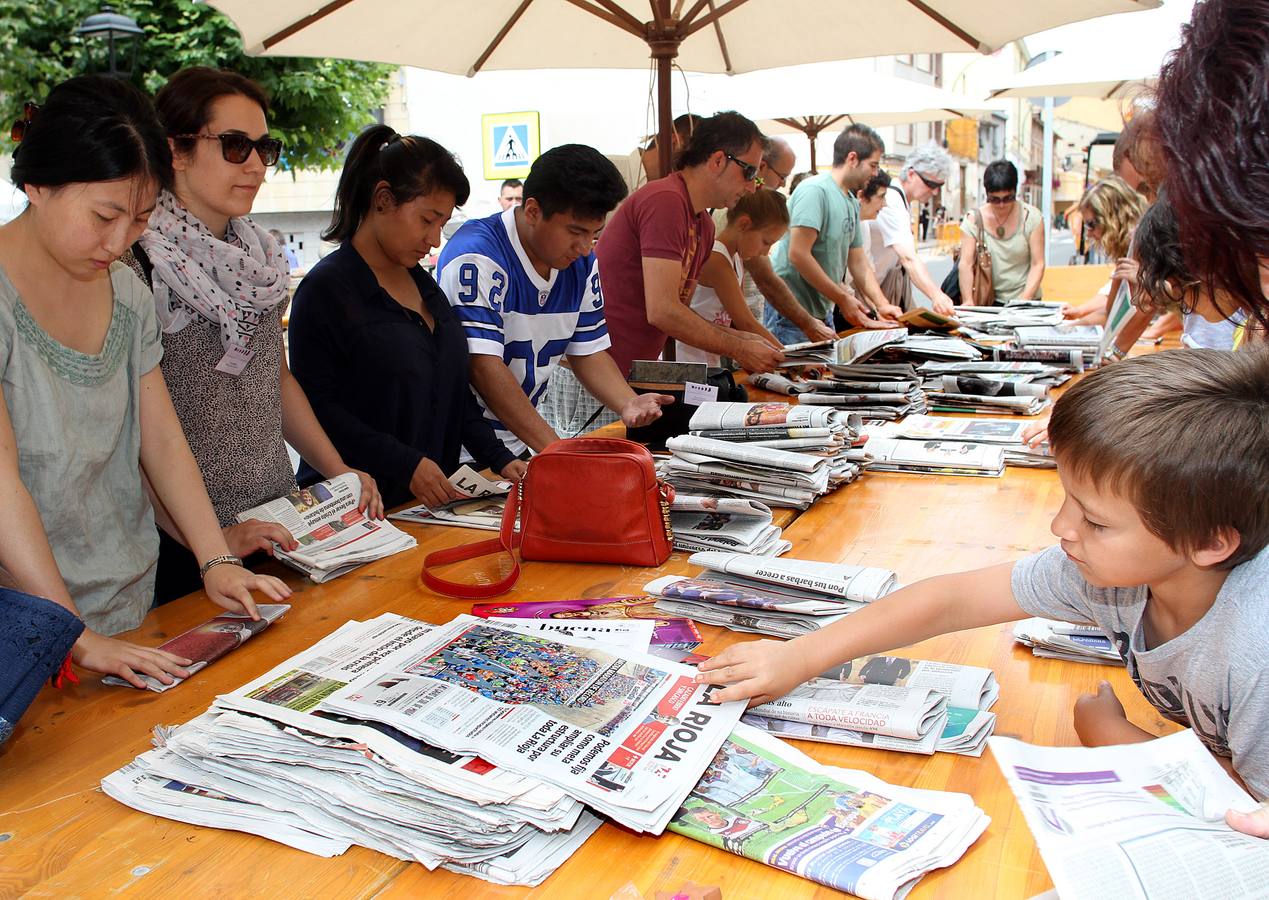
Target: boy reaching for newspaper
x=1164, y=527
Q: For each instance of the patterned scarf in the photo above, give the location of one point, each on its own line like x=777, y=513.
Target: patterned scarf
x=230, y=282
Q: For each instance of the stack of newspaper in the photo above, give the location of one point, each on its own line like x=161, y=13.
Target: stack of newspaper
x=842, y=828
x=725, y=523
x=776, y=453
x=334, y=537
x=1004, y=433
x=780, y=597
x=935, y=457
x=1002, y=320
x=1084, y=338
x=1068, y=360
x=1051, y=639
x=934, y=371
x=852, y=348
x=381, y=736
x=871, y=398
x=1140, y=820
x=932, y=346
x=890, y=703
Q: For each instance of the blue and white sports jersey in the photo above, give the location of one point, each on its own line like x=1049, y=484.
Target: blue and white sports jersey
x=507, y=309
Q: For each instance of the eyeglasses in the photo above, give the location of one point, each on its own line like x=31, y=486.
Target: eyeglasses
x=999, y=201
x=1092, y=224
x=235, y=147
x=748, y=171
x=18, y=131
x=929, y=182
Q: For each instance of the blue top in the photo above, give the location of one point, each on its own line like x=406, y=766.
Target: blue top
x=387, y=389
x=508, y=310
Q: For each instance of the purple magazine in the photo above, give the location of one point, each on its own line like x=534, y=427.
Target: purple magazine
x=680, y=634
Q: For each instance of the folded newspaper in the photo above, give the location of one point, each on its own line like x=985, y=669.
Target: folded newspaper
x=1051, y=639
x=334, y=537
x=725, y=523
x=677, y=634
x=1005, y=433
x=762, y=799
x=210, y=641
x=936, y=457
x=1139, y=820
x=482, y=508
x=963, y=724
x=788, y=598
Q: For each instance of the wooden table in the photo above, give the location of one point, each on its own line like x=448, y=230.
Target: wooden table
x=61, y=836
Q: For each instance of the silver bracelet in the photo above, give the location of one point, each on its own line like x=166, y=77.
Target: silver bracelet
x=217, y=561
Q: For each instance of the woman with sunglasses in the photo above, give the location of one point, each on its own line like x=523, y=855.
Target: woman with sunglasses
x=1014, y=234
x=86, y=416
x=220, y=285
x=1109, y=212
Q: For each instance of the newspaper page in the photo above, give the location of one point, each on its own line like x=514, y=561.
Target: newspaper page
x=1135, y=821
x=716, y=415
x=894, y=711
x=626, y=734
x=972, y=687
x=862, y=344
x=754, y=621
x=936, y=457
x=946, y=428
x=674, y=633
x=751, y=596
x=965, y=733
x=762, y=799
x=613, y=635
x=334, y=536
x=482, y=509
x=745, y=453
x=292, y=692
x=210, y=641
x=859, y=583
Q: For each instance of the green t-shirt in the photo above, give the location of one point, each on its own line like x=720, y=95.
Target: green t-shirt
x=820, y=204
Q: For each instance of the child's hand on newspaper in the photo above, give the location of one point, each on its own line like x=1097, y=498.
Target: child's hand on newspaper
x=1254, y=823
x=758, y=671
x=254, y=534
x=109, y=656
x=371, y=501
x=231, y=587
x=1036, y=433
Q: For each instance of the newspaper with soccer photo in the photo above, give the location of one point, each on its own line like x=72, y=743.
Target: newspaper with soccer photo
x=762, y=799
x=334, y=536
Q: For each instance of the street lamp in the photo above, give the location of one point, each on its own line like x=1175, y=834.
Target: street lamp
x=121, y=34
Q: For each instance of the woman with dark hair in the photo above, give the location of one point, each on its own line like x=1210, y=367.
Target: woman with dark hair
x=220, y=287
x=1014, y=234
x=86, y=415
x=1212, y=118
x=373, y=339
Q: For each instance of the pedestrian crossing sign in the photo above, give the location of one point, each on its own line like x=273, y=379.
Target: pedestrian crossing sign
x=511, y=143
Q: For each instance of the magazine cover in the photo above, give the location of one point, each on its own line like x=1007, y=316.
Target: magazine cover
x=669, y=632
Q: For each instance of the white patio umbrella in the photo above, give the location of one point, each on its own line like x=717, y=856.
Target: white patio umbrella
x=835, y=94
x=732, y=36
x=1122, y=75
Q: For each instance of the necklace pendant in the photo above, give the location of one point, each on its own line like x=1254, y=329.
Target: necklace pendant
x=1000, y=231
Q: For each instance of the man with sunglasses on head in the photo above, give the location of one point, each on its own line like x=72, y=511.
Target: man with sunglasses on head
x=825, y=242
x=888, y=238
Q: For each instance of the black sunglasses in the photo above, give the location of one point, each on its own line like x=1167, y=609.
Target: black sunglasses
x=1009, y=198
x=18, y=131
x=748, y=171
x=235, y=147
x=929, y=182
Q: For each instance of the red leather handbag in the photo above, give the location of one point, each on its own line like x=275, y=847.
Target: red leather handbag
x=582, y=500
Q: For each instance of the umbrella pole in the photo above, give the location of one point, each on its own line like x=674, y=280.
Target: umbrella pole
x=664, y=38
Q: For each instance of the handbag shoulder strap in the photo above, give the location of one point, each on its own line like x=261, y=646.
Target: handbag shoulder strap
x=506, y=542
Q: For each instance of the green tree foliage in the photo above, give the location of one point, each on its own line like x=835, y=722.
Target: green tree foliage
x=317, y=104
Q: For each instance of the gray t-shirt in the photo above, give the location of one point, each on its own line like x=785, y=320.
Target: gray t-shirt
x=77, y=422
x=1212, y=678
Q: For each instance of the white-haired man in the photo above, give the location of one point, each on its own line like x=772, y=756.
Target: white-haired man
x=888, y=238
